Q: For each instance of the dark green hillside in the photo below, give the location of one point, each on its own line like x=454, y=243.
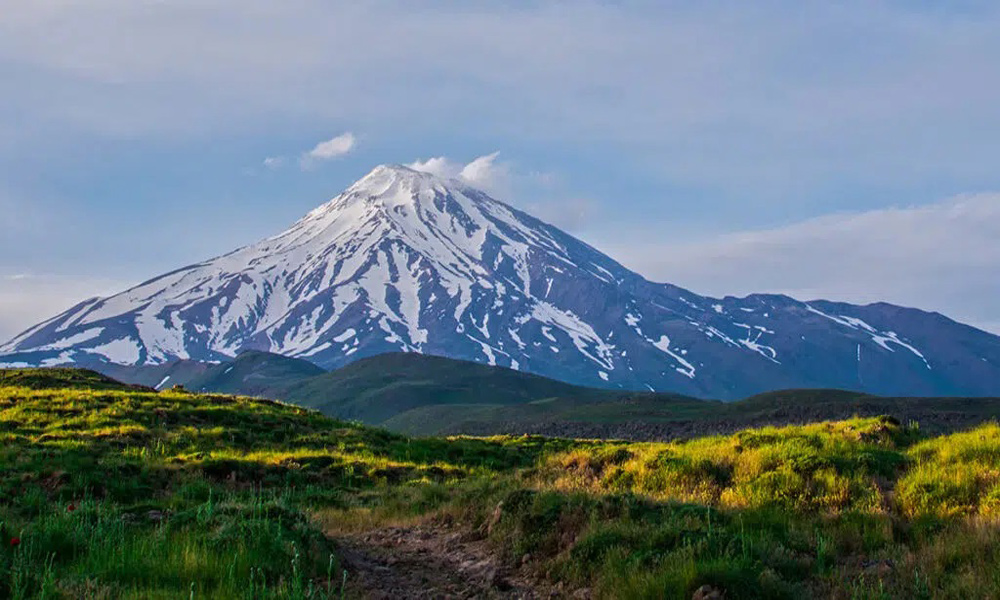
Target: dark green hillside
x=376, y=389
x=598, y=409
x=255, y=374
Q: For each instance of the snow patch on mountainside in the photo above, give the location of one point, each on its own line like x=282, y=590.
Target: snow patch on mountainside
x=124, y=351
x=752, y=341
x=882, y=338
x=73, y=340
x=686, y=368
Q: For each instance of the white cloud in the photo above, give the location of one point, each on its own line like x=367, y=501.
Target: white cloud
x=943, y=256
x=439, y=166
x=330, y=149
x=484, y=172
x=274, y=162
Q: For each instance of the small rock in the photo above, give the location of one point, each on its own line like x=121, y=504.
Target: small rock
x=470, y=536
x=879, y=567
x=495, y=518
x=707, y=592
x=525, y=559
x=499, y=582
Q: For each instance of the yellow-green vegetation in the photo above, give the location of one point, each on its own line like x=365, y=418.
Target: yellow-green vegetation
x=954, y=475
x=109, y=491
x=829, y=467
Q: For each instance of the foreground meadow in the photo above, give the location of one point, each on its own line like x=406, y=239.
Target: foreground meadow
x=113, y=492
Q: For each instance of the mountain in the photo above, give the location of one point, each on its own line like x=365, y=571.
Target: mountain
x=406, y=261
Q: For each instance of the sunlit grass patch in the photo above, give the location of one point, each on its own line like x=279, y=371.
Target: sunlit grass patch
x=823, y=467
x=954, y=475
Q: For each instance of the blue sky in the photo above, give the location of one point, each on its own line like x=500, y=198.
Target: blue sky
x=843, y=150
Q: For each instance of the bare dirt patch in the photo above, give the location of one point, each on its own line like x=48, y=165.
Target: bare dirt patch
x=432, y=561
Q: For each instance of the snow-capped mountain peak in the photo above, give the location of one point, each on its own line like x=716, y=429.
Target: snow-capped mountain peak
x=405, y=260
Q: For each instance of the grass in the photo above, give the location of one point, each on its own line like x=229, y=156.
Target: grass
x=236, y=546
x=826, y=466
x=118, y=492
x=954, y=475
x=112, y=492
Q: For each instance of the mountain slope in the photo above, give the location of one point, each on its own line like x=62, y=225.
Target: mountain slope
x=405, y=261
x=254, y=374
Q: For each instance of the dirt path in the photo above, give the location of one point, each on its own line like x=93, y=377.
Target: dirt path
x=430, y=561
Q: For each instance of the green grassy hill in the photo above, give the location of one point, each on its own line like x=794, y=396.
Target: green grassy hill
x=115, y=492
x=63, y=378
x=376, y=389
x=596, y=410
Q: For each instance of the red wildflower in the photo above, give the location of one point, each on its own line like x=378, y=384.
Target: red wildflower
x=15, y=542
x=71, y=508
